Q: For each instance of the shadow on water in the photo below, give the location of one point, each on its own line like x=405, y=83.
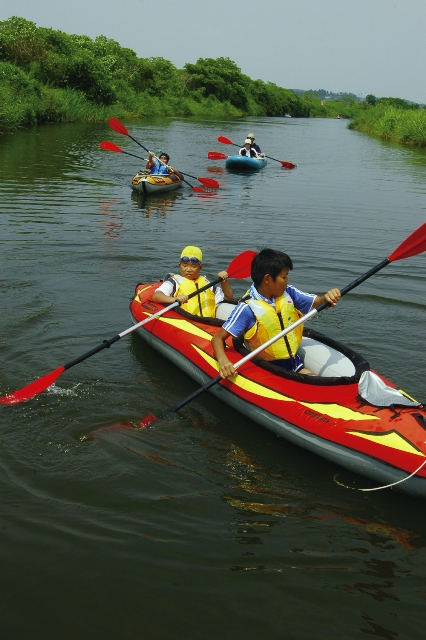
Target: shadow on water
x=156, y=204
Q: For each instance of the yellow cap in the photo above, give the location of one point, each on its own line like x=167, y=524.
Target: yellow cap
x=192, y=252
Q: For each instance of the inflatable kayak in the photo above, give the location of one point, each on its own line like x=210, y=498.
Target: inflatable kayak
x=146, y=182
x=243, y=163
x=339, y=414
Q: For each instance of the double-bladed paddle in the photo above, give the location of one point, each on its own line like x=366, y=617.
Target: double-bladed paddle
x=119, y=127
x=223, y=140
x=238, y=268
x=411, y=246
x=110, y=146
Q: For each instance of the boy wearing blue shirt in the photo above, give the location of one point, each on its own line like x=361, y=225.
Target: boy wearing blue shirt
x=270, y=305
x=159, y=165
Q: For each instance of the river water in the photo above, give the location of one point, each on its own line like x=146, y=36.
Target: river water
x=204, y=526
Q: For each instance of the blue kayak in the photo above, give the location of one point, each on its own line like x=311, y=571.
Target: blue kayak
x=243, y=163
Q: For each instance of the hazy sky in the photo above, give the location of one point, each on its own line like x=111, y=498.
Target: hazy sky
x=359, y=46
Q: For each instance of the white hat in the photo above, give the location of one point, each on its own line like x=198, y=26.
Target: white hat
x=251, y=135
x=247, y=141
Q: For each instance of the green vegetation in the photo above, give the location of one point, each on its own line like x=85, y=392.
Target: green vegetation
x=319, y=108
x=392, y=119
x=48, y=75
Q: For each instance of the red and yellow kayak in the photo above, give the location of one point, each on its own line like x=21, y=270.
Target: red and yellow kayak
x=325, y=414
x=148, y=183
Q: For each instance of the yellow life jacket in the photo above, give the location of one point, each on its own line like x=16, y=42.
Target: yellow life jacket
x=201, y=305
x=270, y=322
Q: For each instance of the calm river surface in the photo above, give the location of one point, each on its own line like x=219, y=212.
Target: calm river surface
x=205, y=526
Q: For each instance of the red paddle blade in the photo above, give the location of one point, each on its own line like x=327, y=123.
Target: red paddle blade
x=288, y=165
x=145, y=422
x=118, y=127
x=198, y=189
x=224, y=140
x=215, y=155
x=412, y=246
x=209, y=182
x=240, y=266
x=33, y=388
x=110, y=146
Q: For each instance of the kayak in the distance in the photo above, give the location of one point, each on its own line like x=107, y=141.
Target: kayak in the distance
x=244, y=163
x=146, y=182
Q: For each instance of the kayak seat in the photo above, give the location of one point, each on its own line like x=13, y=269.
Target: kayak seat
x=224, y=309
x=333, y=362
x=324, y=360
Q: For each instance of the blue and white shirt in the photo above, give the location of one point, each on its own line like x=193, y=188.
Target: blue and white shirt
x=158, y=167
x=242, y=317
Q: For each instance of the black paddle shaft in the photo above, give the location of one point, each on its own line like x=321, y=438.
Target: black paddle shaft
x=107, y=343
x=356, y=282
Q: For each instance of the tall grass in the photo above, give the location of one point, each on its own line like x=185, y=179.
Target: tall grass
x=389, y=123
x=50, y=104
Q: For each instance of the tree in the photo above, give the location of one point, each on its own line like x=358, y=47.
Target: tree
x=220, y=78
x=370, y=99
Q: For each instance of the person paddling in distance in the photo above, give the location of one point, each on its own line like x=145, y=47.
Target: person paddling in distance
x=270, y=305
x=248, y=151
x=159, y=164
x=253, y=145
x=178, y=287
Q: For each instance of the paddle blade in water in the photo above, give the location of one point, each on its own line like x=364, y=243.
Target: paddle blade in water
x=110, y=146
x=118, y=127
x=145, y=422
x=209, y=182
x=198, y=189
x=224, y=140
x=412, y=246
x=288, y=165
x=215, y=155
x=240, y=266
x=33, y=388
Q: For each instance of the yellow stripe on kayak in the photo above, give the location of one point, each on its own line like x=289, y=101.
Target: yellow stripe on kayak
x=390, y=439
x=139, y=292
x=335, y=411
x=404, y=393
x=184, y=325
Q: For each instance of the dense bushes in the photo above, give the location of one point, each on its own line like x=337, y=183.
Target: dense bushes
x=48, y=75
x=56, y=76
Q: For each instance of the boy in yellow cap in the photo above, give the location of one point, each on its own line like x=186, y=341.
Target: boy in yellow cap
x=178, y=287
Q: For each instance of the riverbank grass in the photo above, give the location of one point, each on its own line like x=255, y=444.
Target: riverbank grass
x=389, y=123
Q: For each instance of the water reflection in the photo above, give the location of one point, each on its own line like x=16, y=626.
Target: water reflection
x=156, y=204
x=377, y=629
x=213, y=169
x=111, y=220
